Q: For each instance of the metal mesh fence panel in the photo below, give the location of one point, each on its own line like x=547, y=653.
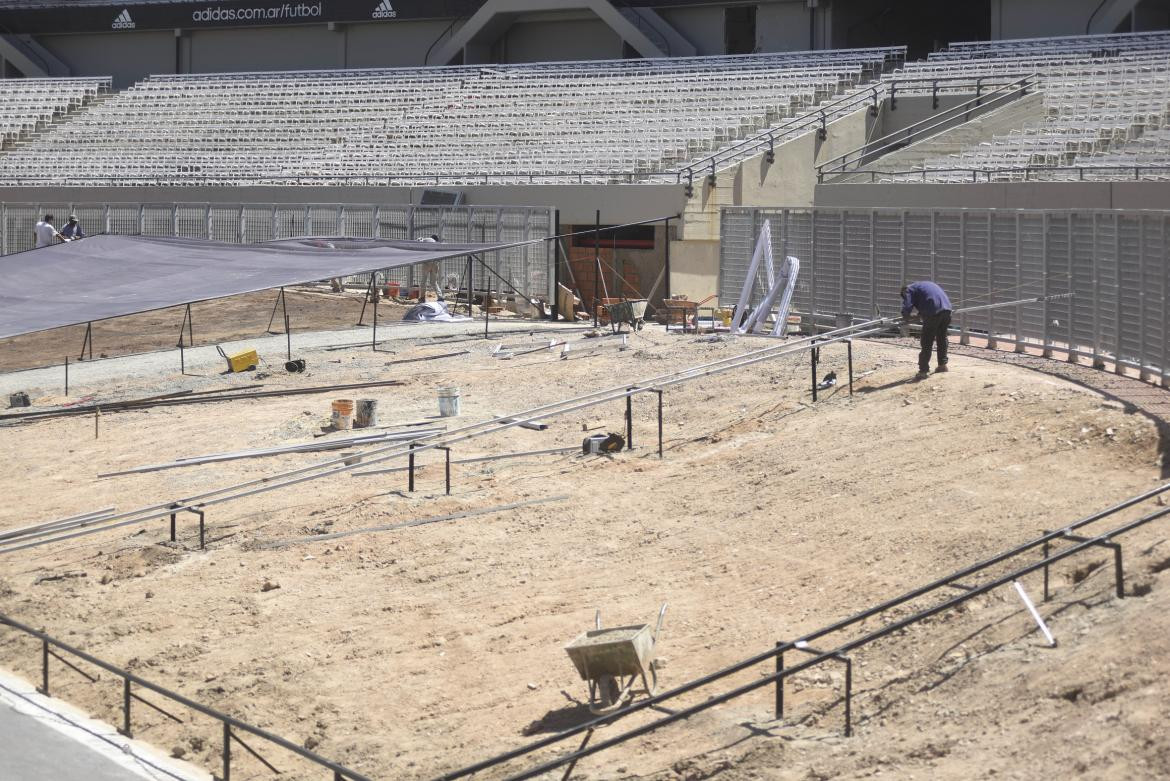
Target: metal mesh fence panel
x=856, y=260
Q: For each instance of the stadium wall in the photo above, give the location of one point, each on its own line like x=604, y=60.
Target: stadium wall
x=1113, y=262
x=576, y=203
x=998, y=195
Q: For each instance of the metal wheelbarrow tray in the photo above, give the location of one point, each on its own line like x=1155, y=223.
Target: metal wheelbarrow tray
x=613, y=660
x=632, y=312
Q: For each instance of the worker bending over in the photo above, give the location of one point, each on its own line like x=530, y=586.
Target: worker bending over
x=934, y=310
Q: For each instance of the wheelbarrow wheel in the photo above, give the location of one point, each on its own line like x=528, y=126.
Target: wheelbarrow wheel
x=639, y=324
x=610, y=695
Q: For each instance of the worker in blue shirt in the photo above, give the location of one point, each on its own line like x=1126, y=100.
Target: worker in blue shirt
x=73, y=230
x=934, y=310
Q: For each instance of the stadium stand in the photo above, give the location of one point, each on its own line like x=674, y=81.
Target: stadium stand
x=593, y=122
x=1102, y=95
x=30, y=105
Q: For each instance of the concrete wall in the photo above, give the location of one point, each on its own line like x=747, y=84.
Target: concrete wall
x=782, y=26
x=792, y=178
x=701, y=25
x=1040, y=18
x=576, y=203
x=1020, y=195
x=380, y=46
x=545, y=41
x=272, y=48
x=694, y=268
x=127, y=57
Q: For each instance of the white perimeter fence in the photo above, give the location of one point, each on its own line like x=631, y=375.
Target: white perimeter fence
x=527, y=268
x=854, y=261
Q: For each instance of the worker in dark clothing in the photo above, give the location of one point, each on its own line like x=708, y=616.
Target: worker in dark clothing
x=934, y=310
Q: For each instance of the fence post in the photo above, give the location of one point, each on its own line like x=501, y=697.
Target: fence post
x=44, y=667
x=126, y=708
x=227, y=752
x=1019, y=285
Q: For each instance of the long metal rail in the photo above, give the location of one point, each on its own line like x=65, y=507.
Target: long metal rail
x=335, y=466
x=229, y=723
x=777, y=652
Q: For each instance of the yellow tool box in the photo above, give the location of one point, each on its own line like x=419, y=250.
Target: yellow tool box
x=241, y=361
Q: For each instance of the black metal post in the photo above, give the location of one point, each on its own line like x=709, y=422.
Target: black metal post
x=556, y=302
x=366, y=300
x=470, y=286
x=849, y=349
x=287, y=337
x=447, y=473
x=190, y=328
x=666, y=272
x=126, y=708
x=596, y=266
x=227, y=752
x=1044, y=556
x=779, y=683
x=1118, y=574
x=659, y=392
x=173, y=524
x=276, y=305
x=87, y=341
x=487, y=287
x=629, y=420
x=813, y=362
x=66, y=375
x=377, y=295
x=202, y=529
x=44, y=667
x=848, y=696
x=410, y=469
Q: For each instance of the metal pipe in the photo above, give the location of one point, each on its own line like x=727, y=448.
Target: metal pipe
x=845, y=648
x=835, y=627
x=338, y=465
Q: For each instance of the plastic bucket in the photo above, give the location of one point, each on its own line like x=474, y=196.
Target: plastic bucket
x=343, y=414
x=448, y=402
x=367, y=413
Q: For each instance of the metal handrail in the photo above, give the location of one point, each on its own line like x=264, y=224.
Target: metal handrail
x=776, y=652
x=1027, y=170
x=867, y=93
x=1006, y=92
x=340, y=772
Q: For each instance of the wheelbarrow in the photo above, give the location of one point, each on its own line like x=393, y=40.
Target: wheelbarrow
x=631, y=312
x=613, y=660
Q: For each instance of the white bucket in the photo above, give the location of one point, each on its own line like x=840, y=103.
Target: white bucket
x=448, y=402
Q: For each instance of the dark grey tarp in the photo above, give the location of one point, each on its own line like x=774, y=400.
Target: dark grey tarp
x=110, y=276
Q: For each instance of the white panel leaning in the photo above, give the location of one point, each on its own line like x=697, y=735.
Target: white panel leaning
x=781, y=287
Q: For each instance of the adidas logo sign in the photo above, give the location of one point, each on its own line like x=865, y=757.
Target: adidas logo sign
x=123, y=21
x=384, y=11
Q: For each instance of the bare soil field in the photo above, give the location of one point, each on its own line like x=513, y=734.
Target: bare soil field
x=409, y=652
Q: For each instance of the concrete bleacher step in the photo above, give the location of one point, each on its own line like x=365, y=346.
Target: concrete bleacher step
x=58, y=120
x=1015, y=115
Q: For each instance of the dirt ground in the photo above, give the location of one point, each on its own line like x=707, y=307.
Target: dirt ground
x=223, y=319
x=406, y=653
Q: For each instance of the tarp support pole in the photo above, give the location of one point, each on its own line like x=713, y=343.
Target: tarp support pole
x=596, y=266
x=87, y=341
x=374, y=291
x=186, y=325
x=470, y=283
x=275, y=305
